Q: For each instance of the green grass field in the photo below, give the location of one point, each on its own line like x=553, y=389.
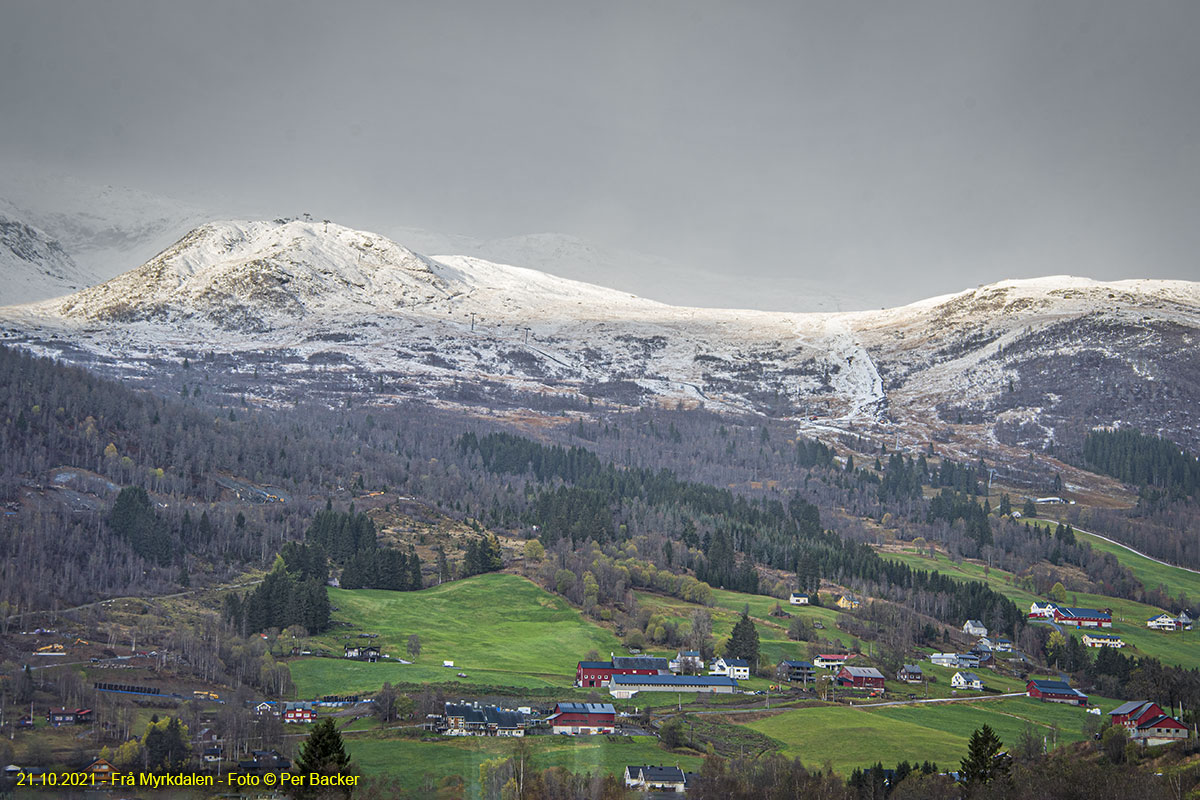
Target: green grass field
x=411, y=761
x=849, y=737
x=501, y=630
x=1129, y=617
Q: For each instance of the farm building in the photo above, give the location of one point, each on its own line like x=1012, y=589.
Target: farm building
x=1147, y=723
x=1103, y=640
x=1055, y=692
x=860, y=677
x=966, y=680
x=798, y=599
x=471, y=719
x=686, y=661
x=1082, y=617
x=626, y=686
x=583, y=718
x=796, y=671
x=910, y=673
x=599, y=673
x=659, y=779
x=731, y=667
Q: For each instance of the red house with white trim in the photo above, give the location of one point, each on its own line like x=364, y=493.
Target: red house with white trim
x=299, y=715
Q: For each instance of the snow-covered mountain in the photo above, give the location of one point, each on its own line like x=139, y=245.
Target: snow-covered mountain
x=33, y=264
x=104, y=229
x=295, y=309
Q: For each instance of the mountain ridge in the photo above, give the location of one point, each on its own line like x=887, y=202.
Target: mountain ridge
x=985, y=362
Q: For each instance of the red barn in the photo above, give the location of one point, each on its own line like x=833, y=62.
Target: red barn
x=599, y=673
x=1130, y=715
x=860, y=677
x=1082, y=617
x=584, y=718
x=1055, y=692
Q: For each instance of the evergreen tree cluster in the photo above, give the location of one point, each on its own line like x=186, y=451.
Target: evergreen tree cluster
x=133, y=519
x=286, y=597
x=1131, y=456
x=350, y=540
x=951, y=506
x=483, y=555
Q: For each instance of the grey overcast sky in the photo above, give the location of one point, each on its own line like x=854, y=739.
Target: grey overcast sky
x=896, y=150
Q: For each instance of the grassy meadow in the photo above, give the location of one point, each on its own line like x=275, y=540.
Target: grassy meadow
x=414, y=762
x=498, y=629
x=935, y=732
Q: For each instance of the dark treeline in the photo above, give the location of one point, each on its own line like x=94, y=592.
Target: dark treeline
x=763, y=531
x=1147, y=461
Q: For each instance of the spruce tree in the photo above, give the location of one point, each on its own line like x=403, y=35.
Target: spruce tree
x=324, y=753
x=984, y=764
x=743, y=641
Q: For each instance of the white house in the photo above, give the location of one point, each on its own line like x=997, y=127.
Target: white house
x=1163, y=622
x=731, y=667
x=1041, y=610
x=798, y=599
x=1102, y=640
x=974, y=627
x=966, y=680
x=832, y=660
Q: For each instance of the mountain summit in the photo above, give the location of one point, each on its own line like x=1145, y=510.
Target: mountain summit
x=1024, y=363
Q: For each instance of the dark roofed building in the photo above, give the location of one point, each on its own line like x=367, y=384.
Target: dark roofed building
x=663, y=779
x=802, y=671
x=626, y=686
x=583, y=718
x=1055, y=692
x=470, y=719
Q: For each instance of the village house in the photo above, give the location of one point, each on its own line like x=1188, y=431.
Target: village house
x=966, y=680
x=958, y=660
x=910, y=673
x=299, y=715
x=1082, y=617
x=1049, y=691
x=1103, y=640
x=860, y=677
x=832, y=660
x=265, y=761
x=627, y=686
x=796, y=671
x=658, y=779
x=1041, y=610
x=267, y=707
x=686, y=661
x=472, y=719
x=731, y=667
x=212, y=755
x=583, y=718
x=63, y=716
x=101, y=771
x=600, y=673
x=848, y=601
x=1163, y=622
x=362, y=653
x=974, y=627
x=798, y=599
